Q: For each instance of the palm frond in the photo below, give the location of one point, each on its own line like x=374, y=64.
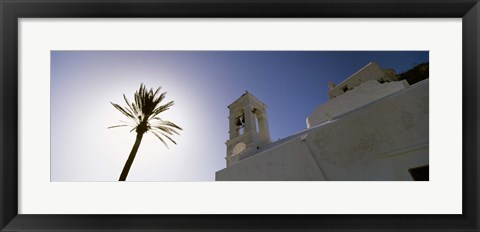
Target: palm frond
x=159, y=135
x=160, y=97
x=161, y=109
x=145, y=110
x=156, y=92
x=130, y=108
x=116, y=126
x=171, y=124
x=126, y=122
x=119, y=108
x=167, y=130
x=168, y=137
x=138, y=100
x=160, y=138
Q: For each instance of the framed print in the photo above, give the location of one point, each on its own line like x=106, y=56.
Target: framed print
x=255, y=116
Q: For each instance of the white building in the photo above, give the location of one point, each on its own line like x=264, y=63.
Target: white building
x=372, y=128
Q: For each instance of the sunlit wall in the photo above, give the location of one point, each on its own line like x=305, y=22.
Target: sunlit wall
x=202, y=84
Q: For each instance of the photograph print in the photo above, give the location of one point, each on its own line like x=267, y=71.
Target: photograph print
x=189, y=116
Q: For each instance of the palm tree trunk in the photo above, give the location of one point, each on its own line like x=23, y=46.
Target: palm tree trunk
x=131, y=157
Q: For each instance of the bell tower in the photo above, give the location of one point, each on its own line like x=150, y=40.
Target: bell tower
x=248, y=128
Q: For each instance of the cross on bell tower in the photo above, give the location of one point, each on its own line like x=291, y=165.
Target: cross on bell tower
x=248, y=128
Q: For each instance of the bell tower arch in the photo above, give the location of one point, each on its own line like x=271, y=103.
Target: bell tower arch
x=248, y=128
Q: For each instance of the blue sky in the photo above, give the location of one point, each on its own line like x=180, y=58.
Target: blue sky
x=202, y=84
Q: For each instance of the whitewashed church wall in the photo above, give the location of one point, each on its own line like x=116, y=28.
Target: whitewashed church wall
x=360, y=96
x=371, y=71
x=288, y=161
x=378, y=142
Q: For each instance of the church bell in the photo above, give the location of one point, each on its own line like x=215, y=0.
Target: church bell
x=240, y=120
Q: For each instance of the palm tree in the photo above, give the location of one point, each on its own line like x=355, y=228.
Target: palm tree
x=144, y=114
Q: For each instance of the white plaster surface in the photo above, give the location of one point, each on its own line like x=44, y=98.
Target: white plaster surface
x=379, y=141
x=360, y=96
x=371, y=71
x=255, y=135
x=273, y=164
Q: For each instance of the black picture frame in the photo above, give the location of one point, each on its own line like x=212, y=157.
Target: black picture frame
x=11, y=11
